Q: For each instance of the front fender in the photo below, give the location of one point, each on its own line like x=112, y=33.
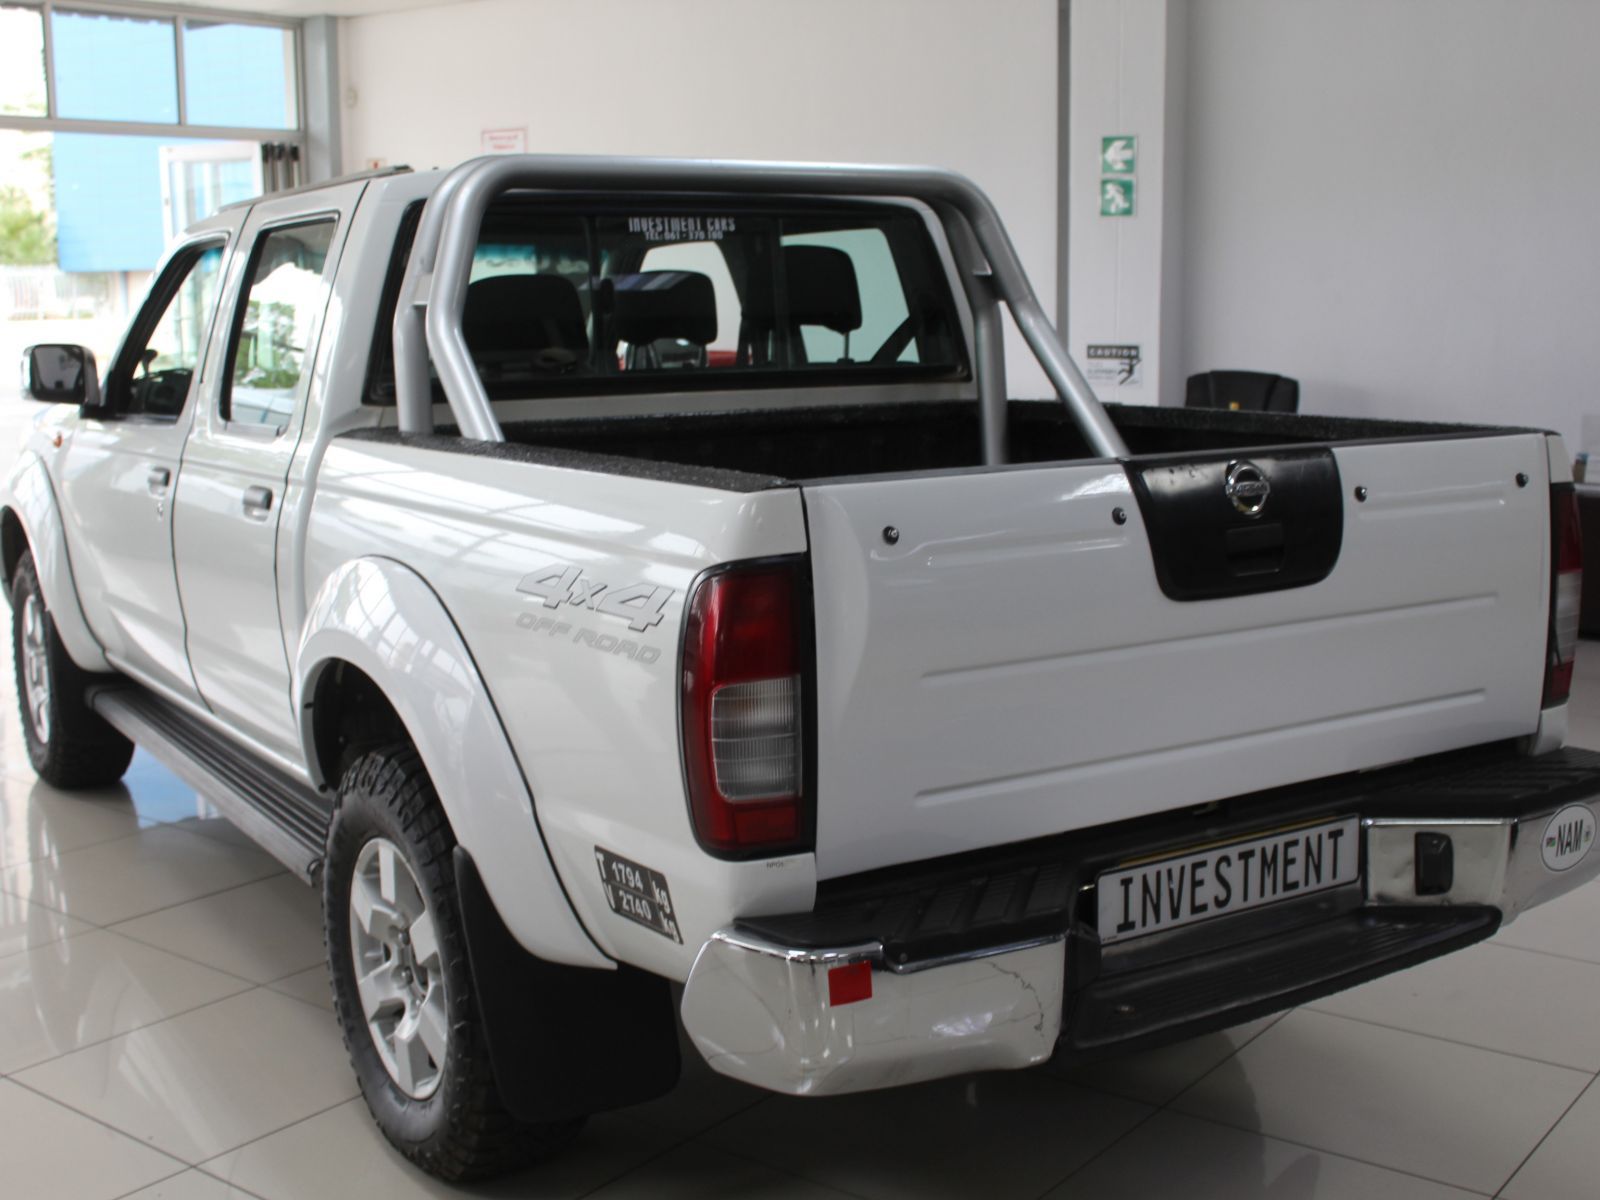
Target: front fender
x=384, y=619
x=30, y=496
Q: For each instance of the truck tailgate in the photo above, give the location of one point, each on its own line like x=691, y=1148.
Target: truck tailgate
x=1010, y=667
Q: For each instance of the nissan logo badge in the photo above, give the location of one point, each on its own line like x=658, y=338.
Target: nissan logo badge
x=1247, y=488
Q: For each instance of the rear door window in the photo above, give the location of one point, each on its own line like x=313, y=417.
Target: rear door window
x=285, y=294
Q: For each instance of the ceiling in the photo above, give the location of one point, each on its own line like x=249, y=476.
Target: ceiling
x=313, y=8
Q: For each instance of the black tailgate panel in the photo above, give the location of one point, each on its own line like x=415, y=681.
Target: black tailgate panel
x=1232, y=525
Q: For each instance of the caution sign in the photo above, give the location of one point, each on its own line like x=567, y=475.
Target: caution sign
x=1114, y=365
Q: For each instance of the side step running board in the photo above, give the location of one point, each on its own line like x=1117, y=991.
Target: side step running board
x=283, y=816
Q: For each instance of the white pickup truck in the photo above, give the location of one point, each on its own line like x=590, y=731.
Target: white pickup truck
x=597, y=575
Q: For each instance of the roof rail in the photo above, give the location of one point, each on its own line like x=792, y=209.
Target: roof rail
x=354, y=176
x=434, y=289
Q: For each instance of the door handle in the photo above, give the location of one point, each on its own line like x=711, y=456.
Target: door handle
x=257, y=502
x=158, y=479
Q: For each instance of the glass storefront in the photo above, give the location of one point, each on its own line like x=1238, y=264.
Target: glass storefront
x=114, y=139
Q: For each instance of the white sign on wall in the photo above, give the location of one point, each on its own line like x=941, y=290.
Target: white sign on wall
x=505, y=141
x=1114, y=364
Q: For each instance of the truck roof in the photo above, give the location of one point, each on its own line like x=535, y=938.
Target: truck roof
x=305, y=188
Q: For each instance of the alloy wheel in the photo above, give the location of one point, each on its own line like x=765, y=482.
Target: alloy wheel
x=399, y=975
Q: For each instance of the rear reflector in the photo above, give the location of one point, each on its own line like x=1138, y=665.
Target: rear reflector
x=1566, y=589
x=846, y=985
x=745, y=663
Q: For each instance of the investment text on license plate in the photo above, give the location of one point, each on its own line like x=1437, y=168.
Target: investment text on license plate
x=1227, y=879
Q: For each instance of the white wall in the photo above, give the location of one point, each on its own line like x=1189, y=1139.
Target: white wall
x=1399, y=203
x=1126, y=76
x=945, y=82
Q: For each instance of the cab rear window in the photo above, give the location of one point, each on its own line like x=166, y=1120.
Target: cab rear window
x=622, y=299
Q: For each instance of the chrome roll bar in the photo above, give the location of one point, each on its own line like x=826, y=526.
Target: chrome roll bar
x=433, y=293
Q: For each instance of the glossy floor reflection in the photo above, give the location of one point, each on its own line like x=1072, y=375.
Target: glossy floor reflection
x=165, y=1031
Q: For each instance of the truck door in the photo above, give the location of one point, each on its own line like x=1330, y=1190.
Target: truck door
x=118, y=472
x=236, y=463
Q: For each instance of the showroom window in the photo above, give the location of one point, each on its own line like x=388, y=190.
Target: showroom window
x=121, y=126
x=136, y=67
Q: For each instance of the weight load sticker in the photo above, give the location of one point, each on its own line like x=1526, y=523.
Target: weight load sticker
x=637, y=893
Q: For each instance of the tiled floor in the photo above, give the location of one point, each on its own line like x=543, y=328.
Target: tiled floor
x=165, y=1032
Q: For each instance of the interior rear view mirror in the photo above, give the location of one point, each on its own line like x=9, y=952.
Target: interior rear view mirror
x=58, y=373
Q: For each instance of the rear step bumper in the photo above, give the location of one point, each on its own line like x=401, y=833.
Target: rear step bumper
x=998, y=964
x=1239, y=983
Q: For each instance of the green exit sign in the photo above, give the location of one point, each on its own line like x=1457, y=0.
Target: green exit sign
x=1116, y=197
x=1119, y=155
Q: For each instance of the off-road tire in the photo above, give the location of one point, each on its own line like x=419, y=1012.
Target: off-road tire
x=463, y=1130
x=78, y=749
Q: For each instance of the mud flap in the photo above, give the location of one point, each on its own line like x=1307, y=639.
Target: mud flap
x=565, y=1041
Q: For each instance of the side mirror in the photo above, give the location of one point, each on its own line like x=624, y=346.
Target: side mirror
x=60, y=374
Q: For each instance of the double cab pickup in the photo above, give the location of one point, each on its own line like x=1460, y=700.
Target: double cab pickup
x=630, y=592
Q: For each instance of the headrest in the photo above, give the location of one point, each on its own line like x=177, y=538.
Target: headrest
x=533, y=315
x=822, y=288
x=653, y=305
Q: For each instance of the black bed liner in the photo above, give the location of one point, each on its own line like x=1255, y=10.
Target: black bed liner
x=755, y=449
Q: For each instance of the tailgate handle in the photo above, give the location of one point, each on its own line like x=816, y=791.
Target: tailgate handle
x=1256, y=550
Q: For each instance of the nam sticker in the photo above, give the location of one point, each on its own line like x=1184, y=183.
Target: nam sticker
x=1568, y=837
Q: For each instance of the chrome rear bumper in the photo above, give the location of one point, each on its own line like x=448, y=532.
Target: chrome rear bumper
x=760, y=1012
x=1505, y=863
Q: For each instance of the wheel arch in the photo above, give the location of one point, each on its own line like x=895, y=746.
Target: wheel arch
x=377, y=631
x=30, y=521
x=349, y=712
x=13, y=541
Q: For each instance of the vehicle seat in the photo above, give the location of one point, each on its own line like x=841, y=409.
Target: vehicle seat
x=525, y=322
x=821, y=288
x=667, y=318
x=1247, y=391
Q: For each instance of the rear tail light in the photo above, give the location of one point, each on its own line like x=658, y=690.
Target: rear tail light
x=1566, y=586
x=746, y=666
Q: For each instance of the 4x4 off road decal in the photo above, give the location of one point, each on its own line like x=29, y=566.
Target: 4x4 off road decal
x=637, y=893
x=640, y=605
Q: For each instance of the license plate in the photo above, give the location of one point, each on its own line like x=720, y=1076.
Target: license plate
x=1219, y=880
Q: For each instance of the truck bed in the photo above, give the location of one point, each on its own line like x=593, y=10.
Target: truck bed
x=804, y=444
x=1007, y=653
